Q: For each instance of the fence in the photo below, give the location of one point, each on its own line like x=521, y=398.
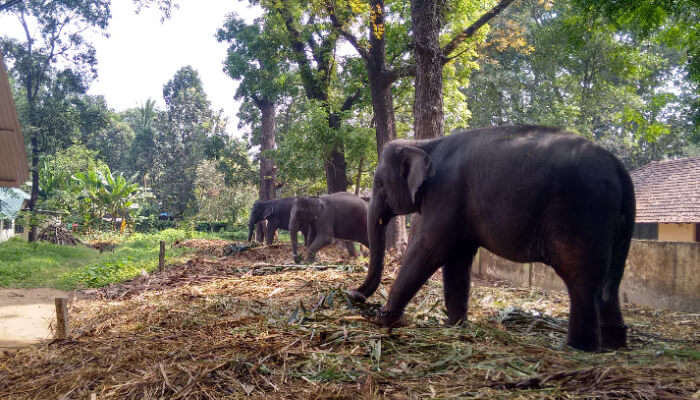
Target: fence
x=662, y=275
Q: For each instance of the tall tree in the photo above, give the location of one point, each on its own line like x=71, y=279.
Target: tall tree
x=311, y=45
x=181, y=135
x=54, y=32
x=428, y=20
x=143, y=148
x=255, y=58
x=626, y=92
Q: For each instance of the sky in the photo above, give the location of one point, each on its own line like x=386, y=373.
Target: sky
x=142, y=54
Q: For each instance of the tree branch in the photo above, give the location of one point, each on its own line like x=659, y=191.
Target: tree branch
x=351, y=100
x=347, y=35
x=9, y=4
x=461, y=37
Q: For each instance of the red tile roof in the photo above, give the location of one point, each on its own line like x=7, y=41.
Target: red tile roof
x=668, y=191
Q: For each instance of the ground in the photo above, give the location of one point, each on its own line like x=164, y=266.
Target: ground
x=254, y=325
x=26, y=315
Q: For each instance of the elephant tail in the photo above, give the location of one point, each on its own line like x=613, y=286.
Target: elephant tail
x=622, y=236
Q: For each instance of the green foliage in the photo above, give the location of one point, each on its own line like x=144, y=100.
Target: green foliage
x=181, y=133
x=217, y=201
x=101, y=192
x=255, y=58
x=582, y=73
x=57, y=189
x=42, y=264
x=39, y=264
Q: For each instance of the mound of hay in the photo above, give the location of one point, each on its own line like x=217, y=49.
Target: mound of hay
x=268, y=331
x=58, y=234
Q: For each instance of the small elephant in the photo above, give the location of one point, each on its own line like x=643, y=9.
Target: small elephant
x=339, y=215
x=276, y=212
x=525, y=193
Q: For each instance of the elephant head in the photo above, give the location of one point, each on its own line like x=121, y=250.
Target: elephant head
x=305, y=212
x=261, y=210
x=399, y=180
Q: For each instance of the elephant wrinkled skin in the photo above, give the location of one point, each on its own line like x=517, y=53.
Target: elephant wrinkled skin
x=525, y=193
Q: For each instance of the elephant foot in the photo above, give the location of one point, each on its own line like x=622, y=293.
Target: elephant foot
x=613, y=337
x=356, y=296
x=390, y=319
x=588, y=345
x=298, y=259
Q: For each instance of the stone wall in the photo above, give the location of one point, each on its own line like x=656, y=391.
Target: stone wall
x=658, y=274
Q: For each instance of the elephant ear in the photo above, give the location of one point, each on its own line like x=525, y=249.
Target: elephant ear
x=267, y=212
x=416, y=167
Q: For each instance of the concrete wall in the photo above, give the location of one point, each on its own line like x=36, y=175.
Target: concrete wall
x=677, y=232
x=662, y=275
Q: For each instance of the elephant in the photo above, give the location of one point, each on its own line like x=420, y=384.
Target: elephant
x=276, y=212
x=525, y=193
x=338, y=215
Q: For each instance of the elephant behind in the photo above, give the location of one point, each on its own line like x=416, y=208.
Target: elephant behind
x=276, y=212
x=339, y=215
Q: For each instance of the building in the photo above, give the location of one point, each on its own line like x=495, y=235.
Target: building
x=14, y=170
x=668, y=200
x=11, y=201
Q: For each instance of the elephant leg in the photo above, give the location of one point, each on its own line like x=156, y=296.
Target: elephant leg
x=456, y=279
x=584, y=327
x=613, y=330
x=425, y=254
x=320, y=241
x=350, y=246
x=270, y=233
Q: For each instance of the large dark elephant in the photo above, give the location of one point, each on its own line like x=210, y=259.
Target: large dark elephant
x=528, y=194
x=276, y=212
x=339, y=215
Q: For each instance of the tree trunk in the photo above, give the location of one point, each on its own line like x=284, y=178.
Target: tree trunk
x=33, y=228
x=383, y=105
x=426, y=16
x=428, y=115
x=335, y=165
x=267, y=165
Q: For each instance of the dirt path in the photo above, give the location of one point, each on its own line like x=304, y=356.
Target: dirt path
x=26, y=314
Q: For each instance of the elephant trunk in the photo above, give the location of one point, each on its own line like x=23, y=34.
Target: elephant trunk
x=293, y=229
x=377, y=220
x=251, y=226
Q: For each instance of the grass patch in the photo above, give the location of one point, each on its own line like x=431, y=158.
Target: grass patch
x=40, y=264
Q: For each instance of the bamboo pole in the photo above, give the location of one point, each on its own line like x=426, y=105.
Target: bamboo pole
x=161, y=256
x=62, y=330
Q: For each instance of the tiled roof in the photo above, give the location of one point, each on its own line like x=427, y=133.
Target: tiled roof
x=668, y=191
x=13, y=159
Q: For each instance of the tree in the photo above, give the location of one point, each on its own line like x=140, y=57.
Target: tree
x=143, y=147
x=255, y=58
x=54, y=31
x=217, y=200
x=181, y=135
x=580, y=72
x=311, y=45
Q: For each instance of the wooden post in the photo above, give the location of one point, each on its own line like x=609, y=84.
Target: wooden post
x=62, y=331
x=161, y=256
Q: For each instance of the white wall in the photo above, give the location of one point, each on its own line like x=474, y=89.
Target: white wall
x=6, y=232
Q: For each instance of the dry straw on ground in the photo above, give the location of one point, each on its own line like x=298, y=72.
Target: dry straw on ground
x=256, y=326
